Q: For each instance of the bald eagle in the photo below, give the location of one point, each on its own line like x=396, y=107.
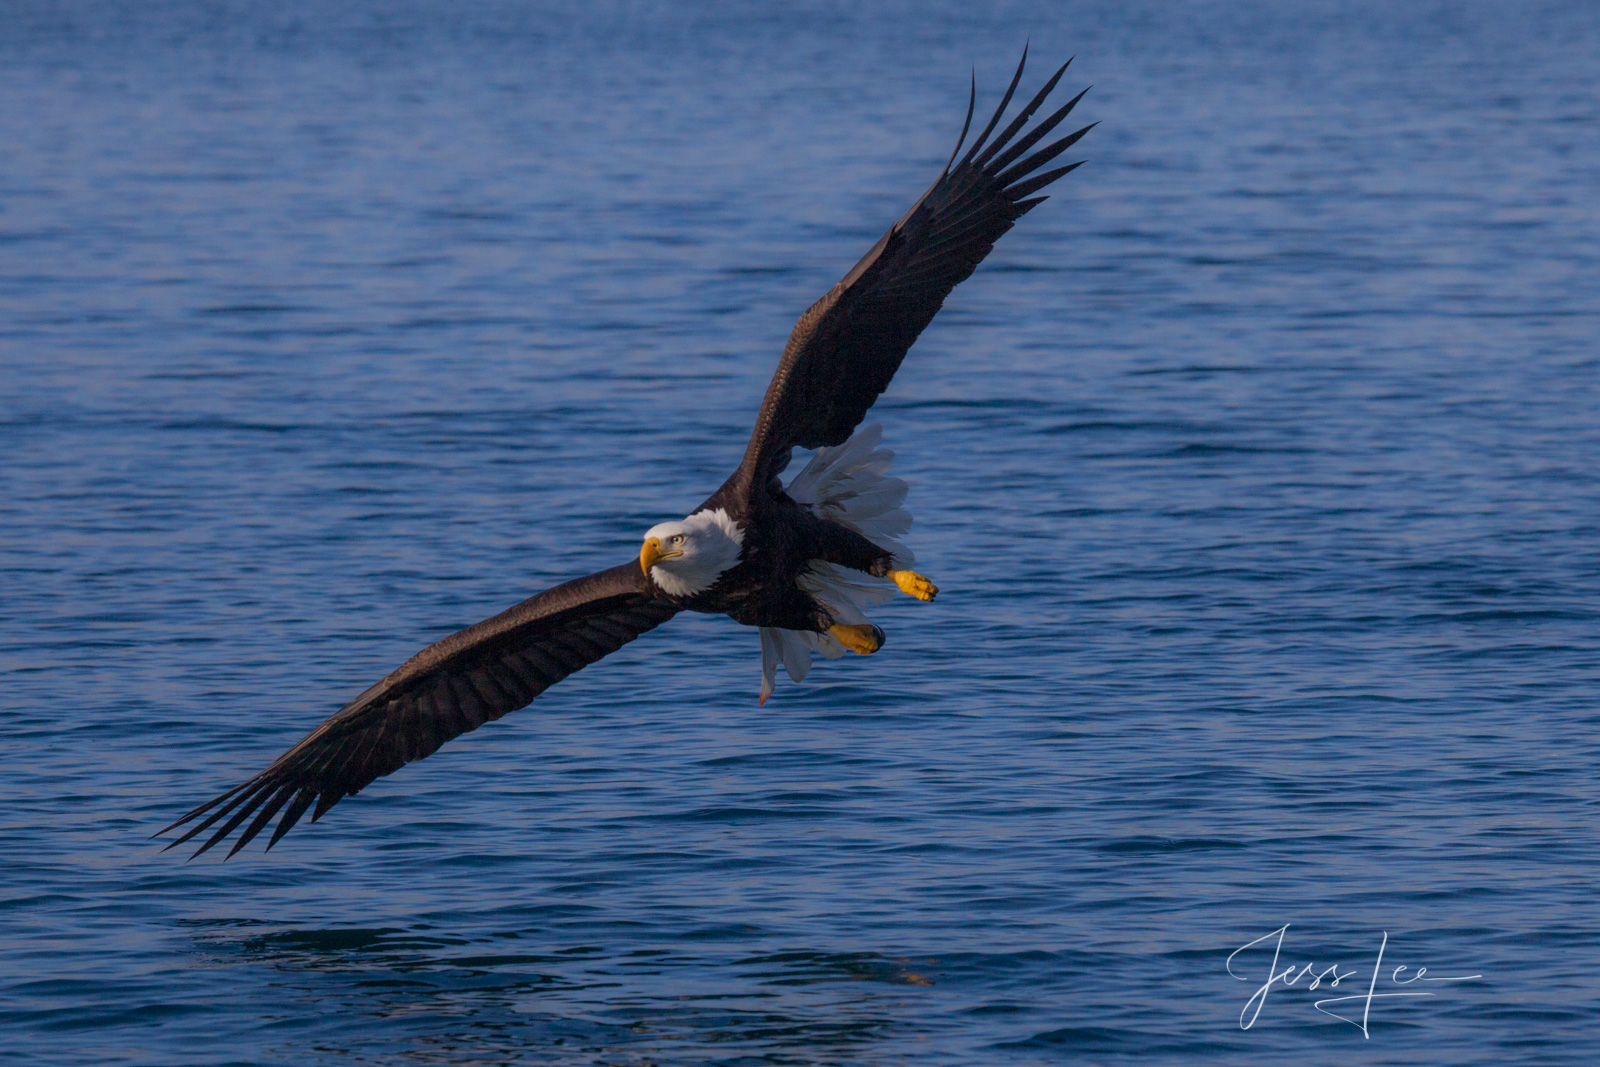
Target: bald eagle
x=800, y=561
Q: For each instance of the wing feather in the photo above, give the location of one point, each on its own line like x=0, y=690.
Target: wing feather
x=447, y=689
x=848, y=345
x=302, y=801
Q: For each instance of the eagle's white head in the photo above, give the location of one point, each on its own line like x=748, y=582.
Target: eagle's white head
x=687, y=557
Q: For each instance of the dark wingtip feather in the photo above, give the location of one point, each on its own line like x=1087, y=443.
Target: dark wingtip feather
x=279, y=799
x=256, y=799
x=327, y=800
x=1022, y=117
x=302, y=801
x=1043, y=156
x=200, y=809
x=972, y=100
x=240, y=794
x=999, y=111
x=1033, y=185
x=1033, y=136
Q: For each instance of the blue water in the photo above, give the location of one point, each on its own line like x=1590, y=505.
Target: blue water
x=1258, y=468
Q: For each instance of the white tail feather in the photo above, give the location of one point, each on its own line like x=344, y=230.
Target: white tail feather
x=848, y=484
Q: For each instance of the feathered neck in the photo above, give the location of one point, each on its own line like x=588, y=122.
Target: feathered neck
x=715, y=540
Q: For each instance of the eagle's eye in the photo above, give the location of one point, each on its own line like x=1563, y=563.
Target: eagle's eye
x=677, y=539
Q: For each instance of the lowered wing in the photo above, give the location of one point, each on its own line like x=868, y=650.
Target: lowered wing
x=847, y=346
x=444, y=691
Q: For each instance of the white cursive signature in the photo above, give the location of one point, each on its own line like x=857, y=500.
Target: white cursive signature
x=1332, y=975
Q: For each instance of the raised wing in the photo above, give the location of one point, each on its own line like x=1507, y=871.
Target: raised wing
x=844, y=350
x=447, y=689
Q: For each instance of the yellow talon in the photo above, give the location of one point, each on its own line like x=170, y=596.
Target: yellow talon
x=863, y=640
x=913, y=584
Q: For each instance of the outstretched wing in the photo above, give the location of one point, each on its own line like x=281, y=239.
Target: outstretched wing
x=447, y=689
x=844, y=350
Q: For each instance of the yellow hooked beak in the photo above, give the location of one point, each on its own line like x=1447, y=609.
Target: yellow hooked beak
x=651, y=554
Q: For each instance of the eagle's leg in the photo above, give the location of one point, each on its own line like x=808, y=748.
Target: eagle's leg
x=844, y=546
x=913, y=584
x=863, y=640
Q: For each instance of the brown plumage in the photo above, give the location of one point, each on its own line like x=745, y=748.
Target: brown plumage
x=847, y=346
x=839, y=358
x=444, y=691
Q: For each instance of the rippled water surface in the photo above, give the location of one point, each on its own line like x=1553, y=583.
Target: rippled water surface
x=1259, y=468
